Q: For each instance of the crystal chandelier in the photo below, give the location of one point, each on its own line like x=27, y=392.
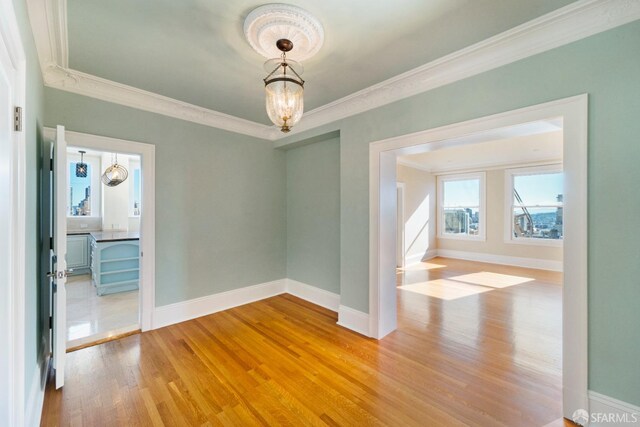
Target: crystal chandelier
x=272, y=30
x=284, y=89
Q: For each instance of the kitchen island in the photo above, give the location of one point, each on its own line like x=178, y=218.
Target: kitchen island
x=115, y=261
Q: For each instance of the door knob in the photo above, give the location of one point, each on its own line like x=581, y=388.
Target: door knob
x=60, y=274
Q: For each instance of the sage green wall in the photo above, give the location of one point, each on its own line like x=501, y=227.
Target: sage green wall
x=220, y=197
x=606, y=66
x=313, y=214
x=35, y=347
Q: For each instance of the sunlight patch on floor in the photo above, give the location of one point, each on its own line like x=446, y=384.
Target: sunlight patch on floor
x=444, y=289
x=492, y=280
x=422, y=266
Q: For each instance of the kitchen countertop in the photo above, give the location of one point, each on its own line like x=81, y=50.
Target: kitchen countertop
x=114, y=236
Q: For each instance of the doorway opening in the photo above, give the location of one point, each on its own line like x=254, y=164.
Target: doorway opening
x=571, y=113
x=103, y=247
x=109, y=235
x=484, y=228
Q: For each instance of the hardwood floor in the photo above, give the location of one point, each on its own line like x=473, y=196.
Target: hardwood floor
x=489, y=358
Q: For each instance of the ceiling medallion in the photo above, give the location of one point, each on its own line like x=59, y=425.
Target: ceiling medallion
x=285, y=34
x=267, y=24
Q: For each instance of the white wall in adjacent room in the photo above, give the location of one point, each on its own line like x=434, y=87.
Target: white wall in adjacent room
x=115, y=200
x=419, y=212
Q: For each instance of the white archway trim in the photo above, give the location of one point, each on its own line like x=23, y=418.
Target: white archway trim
x=382, y=223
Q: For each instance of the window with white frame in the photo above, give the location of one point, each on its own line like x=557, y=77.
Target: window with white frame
x=135, y=189
x=461, y=204
x=534, y=208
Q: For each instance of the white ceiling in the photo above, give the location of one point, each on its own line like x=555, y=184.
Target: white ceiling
x=518, y=150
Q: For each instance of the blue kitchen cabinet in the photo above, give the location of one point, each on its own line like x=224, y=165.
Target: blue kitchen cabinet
x=115, y=264
x=78, y=254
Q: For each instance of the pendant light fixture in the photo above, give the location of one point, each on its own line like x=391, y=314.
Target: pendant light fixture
x=284, y=89
x=81, y=168
x=273, y=30
x=115, y=174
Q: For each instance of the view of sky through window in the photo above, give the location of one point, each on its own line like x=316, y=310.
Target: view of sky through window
x=136, y=192
x=462, y=193
x=539, y=189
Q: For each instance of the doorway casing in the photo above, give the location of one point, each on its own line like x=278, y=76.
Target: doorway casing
x=12, y=348
x=383, y=223
x=147, y=219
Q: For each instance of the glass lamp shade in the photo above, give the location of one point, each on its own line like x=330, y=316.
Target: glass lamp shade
x=81, y=170
x=284, y=91
x=114, y=175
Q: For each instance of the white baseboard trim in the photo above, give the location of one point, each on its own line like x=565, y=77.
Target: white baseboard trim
x=541, y=264
x=321, y=297
x=429, y=255
x=412, y=259
x=186, y=310
x=35, y=401
x=353, y=319
x=608, y=412
x=182, y=311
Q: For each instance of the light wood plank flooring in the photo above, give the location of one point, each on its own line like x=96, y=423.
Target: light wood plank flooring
x=485, y=358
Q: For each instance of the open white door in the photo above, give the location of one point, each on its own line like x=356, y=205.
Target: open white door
x=59, y=310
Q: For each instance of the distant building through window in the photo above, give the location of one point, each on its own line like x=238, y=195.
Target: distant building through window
x=537, y=203
x=462, y=206
x=79, y=192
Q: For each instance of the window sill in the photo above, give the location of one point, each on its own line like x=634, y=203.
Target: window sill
x=527, y=241
x=462, y=237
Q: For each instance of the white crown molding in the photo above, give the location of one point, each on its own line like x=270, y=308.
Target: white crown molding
x=560, y=27
x=49, y=25
x=107, y=90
